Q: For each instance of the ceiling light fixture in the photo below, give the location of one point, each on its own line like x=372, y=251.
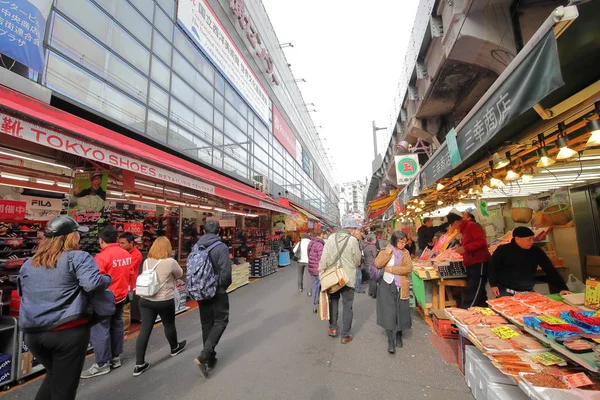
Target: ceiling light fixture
x=499, y=162
x=34, y=160
x=594, y=128
x=439, y=187
x=544, y=161
x=439, y=203
x=562, y=143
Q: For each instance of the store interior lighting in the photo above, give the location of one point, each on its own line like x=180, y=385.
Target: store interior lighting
x=562, y=142
x=593, y=127
x=499, y=162
x=439, y=186
x=22, y=157
x=13, y=176
x=542, y=153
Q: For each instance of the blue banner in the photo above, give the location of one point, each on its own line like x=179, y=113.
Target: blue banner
x=22, y=31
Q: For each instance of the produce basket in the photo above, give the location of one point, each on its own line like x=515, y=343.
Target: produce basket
x=522, y=214
x=583, y=325
x=559, y=213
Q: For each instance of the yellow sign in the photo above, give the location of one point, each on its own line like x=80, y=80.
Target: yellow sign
x=504, y=332
x=484, y=311
x=551, y=320
x=592, y=293
x=548, y=358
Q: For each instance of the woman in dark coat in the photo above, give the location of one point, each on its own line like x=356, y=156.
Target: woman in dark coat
x=393, y=294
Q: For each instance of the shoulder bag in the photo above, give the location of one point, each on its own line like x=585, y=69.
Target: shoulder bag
x=334, y=278
x=102, y=301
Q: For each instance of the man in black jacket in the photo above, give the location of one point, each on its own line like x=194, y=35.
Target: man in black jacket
x=513, y=266
x=214, y=313
x=426, y=232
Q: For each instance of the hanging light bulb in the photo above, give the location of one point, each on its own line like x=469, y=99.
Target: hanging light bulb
x=526, y=178
x=562, y=143
x=511, y=175
x=439, y=187
x=499, y=162
x=544, y=160
x=486, y=189
x=594, y=128
x=416, y=201
x=460, y=203
x=421, y=203
x=496, y=183
x=440, y=203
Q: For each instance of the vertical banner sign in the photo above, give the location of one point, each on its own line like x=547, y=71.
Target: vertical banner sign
x=201, y=24
x=455, y=158
x=283, y=133
x=88, y=196
x=407, y=167
x=22, y=31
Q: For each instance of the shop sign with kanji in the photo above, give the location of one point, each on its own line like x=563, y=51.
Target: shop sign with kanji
x=22, y=31
x=407, y=166
x=12, y=209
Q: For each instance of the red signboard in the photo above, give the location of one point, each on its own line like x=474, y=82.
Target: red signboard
x=283, y=132
x=11, y=209
x=137, y=228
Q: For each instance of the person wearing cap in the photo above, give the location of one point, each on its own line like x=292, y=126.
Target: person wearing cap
x=513, y=266
x=107, y=335
x=342, y=247
x=54, y=314
x=476, y=256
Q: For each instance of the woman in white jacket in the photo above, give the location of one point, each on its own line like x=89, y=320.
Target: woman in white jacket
x=303, y=261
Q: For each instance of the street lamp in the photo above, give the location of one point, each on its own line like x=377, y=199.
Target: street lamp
x=284, y=45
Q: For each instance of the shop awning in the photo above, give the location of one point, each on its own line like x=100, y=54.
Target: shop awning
x=60, y=130
x=376, y=214
x=381, y=204
x=305, y=213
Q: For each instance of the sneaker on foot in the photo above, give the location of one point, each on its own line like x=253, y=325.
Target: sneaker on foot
x=179, y=348
x=96, y=370
x=138, y=369
x=332, y=332
x=203, y=367
x=115, y=362
x=211, y=364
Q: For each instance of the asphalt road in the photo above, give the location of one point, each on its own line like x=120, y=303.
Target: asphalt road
x=276, y=348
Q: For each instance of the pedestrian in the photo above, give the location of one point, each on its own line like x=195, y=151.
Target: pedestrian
x=358, y=235
x=214, y=312
x=341, y=248
x=369, y=254
x=411, y=246
x=127, y=243
x=107, y=335
x=476, y=256
x=315, y=251
x=162, y=303
x=303, y=260
x=393, y=308
x=426, y=233
x=54, y=315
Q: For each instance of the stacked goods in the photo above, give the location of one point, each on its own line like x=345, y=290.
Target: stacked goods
x=547, y=380
x=448, y=255
x=475, y=315
x=583, y=319
x=521, y=305
x=511, y=363
x=239, y=276
x=494, y=338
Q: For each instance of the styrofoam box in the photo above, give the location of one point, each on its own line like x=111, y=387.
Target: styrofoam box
x=496, y=391
x=488, y=373
x=472, y=355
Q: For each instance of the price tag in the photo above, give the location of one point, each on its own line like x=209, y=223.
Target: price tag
x=484, y=311
x=551, y=320
x=592, y=293
x=578, y=380
x=548, y=358
x=504, y=332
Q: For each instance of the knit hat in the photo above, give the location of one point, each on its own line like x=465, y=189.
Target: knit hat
x=452, y=218
x=522, y=232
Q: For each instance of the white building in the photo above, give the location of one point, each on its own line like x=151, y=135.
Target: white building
x=352, y=199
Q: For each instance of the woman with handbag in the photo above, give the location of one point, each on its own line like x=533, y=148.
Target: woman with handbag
x=55, y=310
x=393, y=294
x=161, y=303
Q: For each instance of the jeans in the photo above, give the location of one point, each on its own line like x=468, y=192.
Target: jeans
x=107, y=336
x=476, y=280
x=358, y=279
x=301, y=268
x=316, y=290
x=214, y=316
x=62, y=353
x=347, y=295
x=149, y=310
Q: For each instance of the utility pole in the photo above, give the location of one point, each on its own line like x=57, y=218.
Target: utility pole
x=375, y=129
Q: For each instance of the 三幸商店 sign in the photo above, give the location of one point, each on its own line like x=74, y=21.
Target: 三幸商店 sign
x=407, y=167
x=200, y=22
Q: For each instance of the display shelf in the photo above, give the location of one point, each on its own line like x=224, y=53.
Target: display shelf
x=6, y=328
x=586, y=360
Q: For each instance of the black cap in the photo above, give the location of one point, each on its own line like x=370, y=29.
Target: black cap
x=452, y=218
x=63, y=225
x=522, y=232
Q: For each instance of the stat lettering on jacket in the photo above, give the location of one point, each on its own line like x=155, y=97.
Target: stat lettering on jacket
x=122, y=262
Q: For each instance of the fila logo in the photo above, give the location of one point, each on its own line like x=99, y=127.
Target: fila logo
x=41, y=203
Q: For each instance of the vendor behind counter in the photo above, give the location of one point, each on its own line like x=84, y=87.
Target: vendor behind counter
x=513, y=266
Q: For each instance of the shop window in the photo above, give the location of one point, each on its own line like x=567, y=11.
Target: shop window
x=168, y=6
x=160, y=73
x=219, y=83
x=234, y=132
x=203, y=86
x=156, y=127
x=182, y=66
x=203, y=107
x=218, y=138
x=161, y=47
x=145, y=7
x=219, y=102
x=233, y=166
x=163, y=23
x=88, y=16
x=159, y=99
x=218, y=123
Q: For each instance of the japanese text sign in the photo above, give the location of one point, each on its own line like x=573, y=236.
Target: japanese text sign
x=484, y=311
x=504, y=332
x=578, y=380
x=283, y=133
x=548, y=358
x=518, y=93
x=592, y=293
x=407, y=166
x=551, y=320
x=22, y=30
x=11, y=209
x=437, y=167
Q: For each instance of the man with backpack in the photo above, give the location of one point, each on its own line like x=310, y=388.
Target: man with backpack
x=208, y=277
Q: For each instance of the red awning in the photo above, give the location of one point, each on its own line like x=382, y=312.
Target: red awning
x=87, y=131
x=376, y=214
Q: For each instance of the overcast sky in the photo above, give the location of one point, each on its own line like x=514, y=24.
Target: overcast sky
x=350, y=53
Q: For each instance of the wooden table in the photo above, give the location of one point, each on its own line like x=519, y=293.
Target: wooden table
x=439, y=300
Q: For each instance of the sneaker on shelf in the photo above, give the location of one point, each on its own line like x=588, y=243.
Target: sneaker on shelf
x=139, y=369
x=96, y=370
x=115, y=362
x=179, y=348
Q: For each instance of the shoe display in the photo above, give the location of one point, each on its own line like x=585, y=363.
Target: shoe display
x=179, y=349
x=139, y=369
x=203, y=367
x=115, y=362
x=96, y=370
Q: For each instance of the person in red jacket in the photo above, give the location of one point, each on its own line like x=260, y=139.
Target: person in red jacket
x=315, y=250
x=127, y=242
x=107, y=334
x=476, y=256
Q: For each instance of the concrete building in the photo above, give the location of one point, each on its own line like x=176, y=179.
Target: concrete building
x=352, y=199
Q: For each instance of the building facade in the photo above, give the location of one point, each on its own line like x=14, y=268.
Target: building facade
x=352, y=199
x=204, y=80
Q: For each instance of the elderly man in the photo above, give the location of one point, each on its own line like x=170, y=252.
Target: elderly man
x=342, y=248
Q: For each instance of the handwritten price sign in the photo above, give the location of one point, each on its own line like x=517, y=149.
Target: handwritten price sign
x=592, y=293
x=504, y=332
x=548, y=358
x=578, y=380
x=551, y=320
x=485, y=311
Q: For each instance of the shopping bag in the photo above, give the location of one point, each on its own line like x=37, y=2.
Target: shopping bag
x=575, y=285
x=324, y=306
x=333, y=279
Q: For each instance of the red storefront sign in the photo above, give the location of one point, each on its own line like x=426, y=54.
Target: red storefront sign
x=283, y=132
x=11, y=209
x=137, y=228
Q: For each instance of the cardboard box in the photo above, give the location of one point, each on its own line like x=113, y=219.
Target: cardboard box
x=26, y=363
